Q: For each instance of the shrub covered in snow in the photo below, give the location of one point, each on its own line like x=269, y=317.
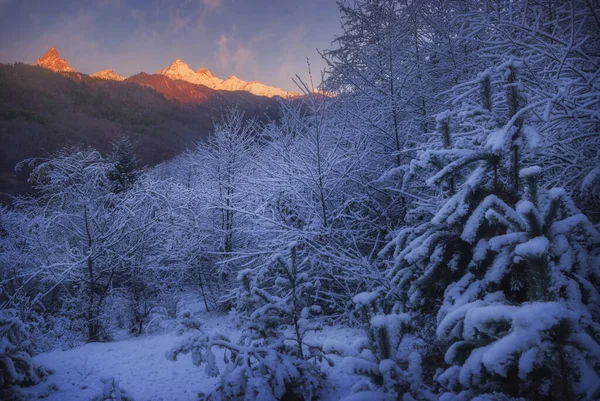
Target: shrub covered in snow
x=112, y=391
x=16, y=366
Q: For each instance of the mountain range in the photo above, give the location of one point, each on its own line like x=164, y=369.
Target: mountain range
x=178, y=70
x=50, y=105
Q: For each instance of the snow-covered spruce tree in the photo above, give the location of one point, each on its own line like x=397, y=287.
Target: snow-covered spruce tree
x=16, y=366
x=123, y=173
x=480, y=145
x=523, y=319
x=388, y=357
x=271, y=361
x=511, y=271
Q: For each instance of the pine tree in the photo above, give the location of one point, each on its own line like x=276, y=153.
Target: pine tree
x=510, y=270
x=475, y=160
x=125, y=164
x=268, y=363
x=523, y=318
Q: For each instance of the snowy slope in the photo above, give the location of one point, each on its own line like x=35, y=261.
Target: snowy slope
x=141, y=368
x=139, y=365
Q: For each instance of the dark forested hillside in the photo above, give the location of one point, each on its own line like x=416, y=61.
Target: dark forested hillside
x=42, y=111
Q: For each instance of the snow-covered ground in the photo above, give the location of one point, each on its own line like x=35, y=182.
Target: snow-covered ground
x=140, y=367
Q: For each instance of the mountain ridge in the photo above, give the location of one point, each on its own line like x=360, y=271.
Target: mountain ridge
x=181, y=71
x=42, y=110
x=177, y=70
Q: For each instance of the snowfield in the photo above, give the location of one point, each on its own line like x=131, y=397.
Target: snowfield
x=140, y=367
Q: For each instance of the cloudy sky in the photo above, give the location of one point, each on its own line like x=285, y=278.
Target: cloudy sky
x=262, y=40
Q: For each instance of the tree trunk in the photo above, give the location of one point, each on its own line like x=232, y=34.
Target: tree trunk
x=91, y=313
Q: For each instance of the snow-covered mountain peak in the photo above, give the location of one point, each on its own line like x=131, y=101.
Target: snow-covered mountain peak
x=181, y=71
x=177, y=67
x=51, y=60
x=177, y=70
x=51, y=53
x=233, y=83
x=178, y=63
x=108, y=74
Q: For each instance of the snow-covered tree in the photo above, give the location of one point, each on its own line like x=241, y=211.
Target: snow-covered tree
x=151, y=276
x=309, y=191
x=185, y=202
x=557, y=44
x=387, y=64
x=510, y=270
x=16, y=263
x=86, y=233
x=523, y=318
x=227, y=157
x=392, y=69
x=488, y=139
